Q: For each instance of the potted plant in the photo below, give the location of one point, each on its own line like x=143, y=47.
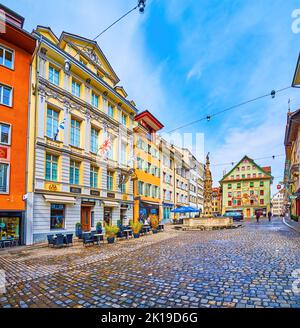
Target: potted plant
x=154, y=223
x=99, y=227
x=136, y=228
x=111, y=231
x=78, y=230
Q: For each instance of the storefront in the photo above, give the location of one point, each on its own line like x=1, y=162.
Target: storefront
x=11, y=229
x=147, y=208
x=167, y=211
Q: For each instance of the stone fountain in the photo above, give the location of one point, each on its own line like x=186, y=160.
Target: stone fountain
x=207, y=220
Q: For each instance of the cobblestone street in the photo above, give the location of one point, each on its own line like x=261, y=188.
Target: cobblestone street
x=247, y=267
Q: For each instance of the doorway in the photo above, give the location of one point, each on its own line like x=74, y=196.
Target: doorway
x=86, y=218
x=248, y=213
x=108, y=215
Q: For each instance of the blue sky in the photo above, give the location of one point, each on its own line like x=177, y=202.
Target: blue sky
x=185, y=59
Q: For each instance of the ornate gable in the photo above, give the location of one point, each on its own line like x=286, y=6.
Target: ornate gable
x=88, y=50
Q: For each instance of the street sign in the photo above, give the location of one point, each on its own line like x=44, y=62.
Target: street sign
x=278, y=186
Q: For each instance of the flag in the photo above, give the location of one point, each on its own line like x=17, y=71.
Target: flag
x=104, y=148
x=60, y=127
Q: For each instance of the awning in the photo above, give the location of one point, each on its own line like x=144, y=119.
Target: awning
x=110, y=204
x=150, y=203
x=60, y=199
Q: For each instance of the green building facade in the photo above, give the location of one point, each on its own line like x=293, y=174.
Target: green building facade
x=247, y=189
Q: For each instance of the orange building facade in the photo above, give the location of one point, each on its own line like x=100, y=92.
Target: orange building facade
x=16, y=50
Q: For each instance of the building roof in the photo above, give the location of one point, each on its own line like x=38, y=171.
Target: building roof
x=266, y=169
x=150, y=119
x=12, y=17
x=293, y=121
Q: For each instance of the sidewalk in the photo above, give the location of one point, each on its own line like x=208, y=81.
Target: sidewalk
x=292, y=224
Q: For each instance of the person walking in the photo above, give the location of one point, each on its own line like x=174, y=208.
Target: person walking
x=269, y=216
x=257, y=216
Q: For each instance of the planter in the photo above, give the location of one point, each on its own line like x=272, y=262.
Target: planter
x=136, y=235
x=154, y=230
x=78, y=232
x=110, y=240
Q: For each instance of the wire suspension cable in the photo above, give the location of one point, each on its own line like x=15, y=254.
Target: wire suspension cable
x=106, y=29
x=208, y=117
x=254, y=159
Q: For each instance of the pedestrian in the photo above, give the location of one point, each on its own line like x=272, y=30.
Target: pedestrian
x=257, y=216
x=270, y=216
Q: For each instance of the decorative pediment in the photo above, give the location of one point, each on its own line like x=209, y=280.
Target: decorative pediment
x=91, y=52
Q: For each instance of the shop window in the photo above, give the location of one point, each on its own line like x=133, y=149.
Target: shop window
x=57, y=216
x=92, y=219
x=9, y=228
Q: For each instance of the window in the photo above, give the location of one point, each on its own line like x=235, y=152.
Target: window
x=261, y=192
x=110, y=110
x=147, y=190
x=229, y=186
x=251, y=184
x=238, y=185
x=6, y=57
x=53, y=75
x=140, y=188
x=76, y=88
x=261, y=183
x=93, y=177
x=75, y=133
x=110, y=151
x=243, y=168
x=110, y=180
x=254, y=175
x=123, y=188
x=92, y=219
x=123, y=119
x=57, y=216
x=229, y=203
x=4, y=133
x=51, y=167
x=52, y=123
x=94, y=140
x=261, y=202
x=4, y=177
x=74, y=172
x=95, y=100
x=5, y=95
x=123, y=153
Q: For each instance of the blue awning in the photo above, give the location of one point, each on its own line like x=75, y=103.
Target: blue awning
x=185, y=209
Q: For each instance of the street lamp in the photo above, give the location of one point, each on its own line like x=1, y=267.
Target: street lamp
x=141, y=5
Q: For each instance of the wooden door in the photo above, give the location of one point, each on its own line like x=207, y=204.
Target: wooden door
x=248, y=212
x=86, y=218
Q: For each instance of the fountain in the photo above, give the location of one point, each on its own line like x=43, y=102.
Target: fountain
x=207, y=220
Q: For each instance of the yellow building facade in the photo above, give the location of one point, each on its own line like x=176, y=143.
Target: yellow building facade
x=76, y=107
x=147, y=182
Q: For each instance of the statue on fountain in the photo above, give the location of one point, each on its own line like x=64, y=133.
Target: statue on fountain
x=207, y=211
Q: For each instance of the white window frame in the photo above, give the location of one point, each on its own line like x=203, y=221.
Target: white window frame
x=9, y=135
x=1, y=95
x=78, y=84
x=8, y=179
x=57, y=70
x=97, y=140
x=94, y=95
x=4, y=48
x=74, y=134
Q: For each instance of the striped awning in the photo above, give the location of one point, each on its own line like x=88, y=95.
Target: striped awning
x=60, y=199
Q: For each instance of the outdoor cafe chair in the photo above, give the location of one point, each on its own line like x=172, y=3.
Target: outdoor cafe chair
x=50, y=240
x=59, y=240
x=87, y=238
x=69, y=239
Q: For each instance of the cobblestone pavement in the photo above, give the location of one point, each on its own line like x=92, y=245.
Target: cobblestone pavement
x=246, y=267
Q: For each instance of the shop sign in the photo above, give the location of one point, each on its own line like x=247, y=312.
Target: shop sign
x=95, y=193
x=110, y=195
x=4, y=153
x=52, y=187
x=75, y=190
x=86, y=201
